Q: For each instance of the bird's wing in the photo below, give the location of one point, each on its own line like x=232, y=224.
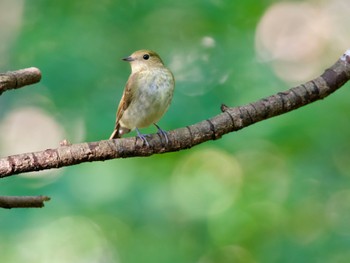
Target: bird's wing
x=127, y=97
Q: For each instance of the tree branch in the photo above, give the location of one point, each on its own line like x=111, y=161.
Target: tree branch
x=19, y=78
x=23, y=201
x=232, y=119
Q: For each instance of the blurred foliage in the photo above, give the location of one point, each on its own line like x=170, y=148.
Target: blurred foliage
x=278, y=191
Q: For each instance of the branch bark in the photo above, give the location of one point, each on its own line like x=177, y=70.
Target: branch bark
x=19, y=78
x=231, y=119
x=23, y=201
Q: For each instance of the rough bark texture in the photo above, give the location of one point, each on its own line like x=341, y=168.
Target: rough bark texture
x=231, y=119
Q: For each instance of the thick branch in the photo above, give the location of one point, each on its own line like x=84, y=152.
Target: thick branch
x=19, y=78
x=232, y=119
x=23, y=201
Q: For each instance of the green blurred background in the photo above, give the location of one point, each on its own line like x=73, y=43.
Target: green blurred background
x=278, y=191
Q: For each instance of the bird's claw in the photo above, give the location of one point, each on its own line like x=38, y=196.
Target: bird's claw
x=142, y=137
x=162, y=132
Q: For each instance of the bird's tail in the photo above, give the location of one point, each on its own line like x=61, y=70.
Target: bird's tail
x=114, y=135
x=119, y=132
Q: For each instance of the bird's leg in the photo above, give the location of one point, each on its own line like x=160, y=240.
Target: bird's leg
x=142, y=137
x=162, y=132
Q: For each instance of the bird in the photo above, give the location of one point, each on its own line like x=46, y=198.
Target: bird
x=147, y=95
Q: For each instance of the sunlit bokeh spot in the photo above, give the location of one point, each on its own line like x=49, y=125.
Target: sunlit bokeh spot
x=206, y=182
x=68, y=239
x=293, y=37
x=104, y=183
x=208, y=42
x=29, y=129
x=338, y=12
x=193, y=68
x=287, y=29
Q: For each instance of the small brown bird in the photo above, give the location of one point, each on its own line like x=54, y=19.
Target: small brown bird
x=147, y=94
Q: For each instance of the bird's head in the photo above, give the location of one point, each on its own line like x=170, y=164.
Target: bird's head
x=144, y=59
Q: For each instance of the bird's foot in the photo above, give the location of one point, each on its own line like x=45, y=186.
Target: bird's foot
x=162, y=132
x=142, y=137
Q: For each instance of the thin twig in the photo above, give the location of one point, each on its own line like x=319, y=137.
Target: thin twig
x=232, y=119
x=23, y=201
x=19, y=78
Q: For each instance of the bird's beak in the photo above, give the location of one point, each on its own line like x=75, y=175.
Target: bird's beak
x=129, y=59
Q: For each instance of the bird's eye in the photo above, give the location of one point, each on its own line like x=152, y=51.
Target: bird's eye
x=145, y=56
